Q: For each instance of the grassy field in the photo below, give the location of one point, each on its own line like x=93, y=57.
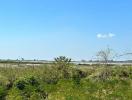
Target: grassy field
x=68, y=82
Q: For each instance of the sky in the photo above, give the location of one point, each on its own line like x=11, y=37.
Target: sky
x=44, y=29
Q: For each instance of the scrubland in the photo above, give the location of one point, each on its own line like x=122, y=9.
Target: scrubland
x=65, y=81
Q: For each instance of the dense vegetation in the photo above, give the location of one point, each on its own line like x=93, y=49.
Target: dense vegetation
x=65, y=81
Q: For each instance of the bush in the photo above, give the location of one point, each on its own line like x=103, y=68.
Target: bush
x=124, y=74
x=52, y=76
x=20, y=84
x=10, y=83
x=32, y=81
x=30, y=87
x=77, y=75
x=104, y=75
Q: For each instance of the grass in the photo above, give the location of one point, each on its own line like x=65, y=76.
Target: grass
x=46, y=82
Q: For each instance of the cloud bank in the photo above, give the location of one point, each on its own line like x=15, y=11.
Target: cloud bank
x=104, y=36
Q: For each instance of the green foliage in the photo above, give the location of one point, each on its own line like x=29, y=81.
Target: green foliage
x=29, y=87
x=51, y=76
x=14, y=94
x=2, y=93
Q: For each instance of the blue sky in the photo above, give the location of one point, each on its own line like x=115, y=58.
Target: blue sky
x=44, y=29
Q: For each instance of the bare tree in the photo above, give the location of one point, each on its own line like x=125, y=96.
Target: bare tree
x=125, y=54
x=105, y=55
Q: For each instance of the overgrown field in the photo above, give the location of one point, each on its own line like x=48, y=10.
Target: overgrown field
x=64, y=81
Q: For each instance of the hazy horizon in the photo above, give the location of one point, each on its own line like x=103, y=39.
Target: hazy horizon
x=44, y=29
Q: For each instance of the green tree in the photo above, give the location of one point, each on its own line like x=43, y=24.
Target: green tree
x=63, y=63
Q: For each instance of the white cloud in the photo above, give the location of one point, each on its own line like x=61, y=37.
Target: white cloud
x=104, y=36
x=111, y=35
